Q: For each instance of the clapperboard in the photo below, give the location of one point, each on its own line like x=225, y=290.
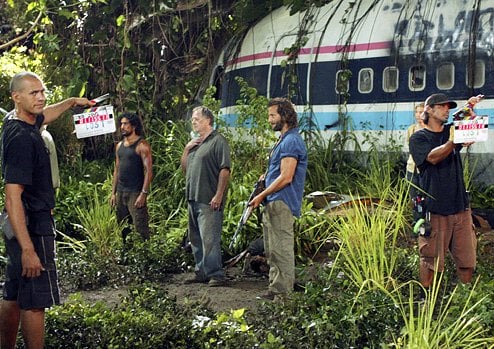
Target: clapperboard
x=95, y=121
x=472, y=130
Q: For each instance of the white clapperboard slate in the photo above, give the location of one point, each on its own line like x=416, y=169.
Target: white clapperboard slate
x=95, y=121
x=467, y=131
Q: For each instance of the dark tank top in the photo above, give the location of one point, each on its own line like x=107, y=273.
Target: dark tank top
x=131, y=170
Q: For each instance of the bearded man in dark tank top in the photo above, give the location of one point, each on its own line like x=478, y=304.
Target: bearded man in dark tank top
x=132, y=176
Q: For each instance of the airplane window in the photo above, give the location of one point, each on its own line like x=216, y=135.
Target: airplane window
x=365, y=80
x=445, y=76
x=343, y=81
x=478, y=77
x=417, y=78
x=390, y=79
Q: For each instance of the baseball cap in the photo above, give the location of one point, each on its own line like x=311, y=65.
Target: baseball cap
x=439, y=98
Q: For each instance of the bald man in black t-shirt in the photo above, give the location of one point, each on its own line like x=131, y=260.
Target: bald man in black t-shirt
x=31, y=278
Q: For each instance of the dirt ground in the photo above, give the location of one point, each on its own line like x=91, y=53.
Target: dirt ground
x=241, y=291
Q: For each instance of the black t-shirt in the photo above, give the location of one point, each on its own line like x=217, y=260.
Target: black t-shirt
x=25, y=161
x=443, y=182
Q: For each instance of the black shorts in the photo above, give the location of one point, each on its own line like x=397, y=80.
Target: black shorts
x=32, y=293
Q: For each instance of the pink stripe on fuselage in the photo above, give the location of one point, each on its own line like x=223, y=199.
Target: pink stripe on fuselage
x=321, y=50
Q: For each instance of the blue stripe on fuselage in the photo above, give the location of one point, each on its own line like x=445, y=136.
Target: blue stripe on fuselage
x=363, y=121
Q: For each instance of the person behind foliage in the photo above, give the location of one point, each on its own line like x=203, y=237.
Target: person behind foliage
x=411, y=170
x=52, y=151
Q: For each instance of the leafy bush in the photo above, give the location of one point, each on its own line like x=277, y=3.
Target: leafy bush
x=147, y=318
x=225, y=331
x=329, y=315
x=85, y=270
x=155, y=259
x=151, y=260
x=482, y=292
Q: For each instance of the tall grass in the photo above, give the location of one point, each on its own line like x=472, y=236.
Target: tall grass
x=378, y=174
x=433, y=323
x=329, y=166
x=368, y=232
x=100, y=225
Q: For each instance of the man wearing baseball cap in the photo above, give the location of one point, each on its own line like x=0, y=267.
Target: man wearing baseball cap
x=446, y=201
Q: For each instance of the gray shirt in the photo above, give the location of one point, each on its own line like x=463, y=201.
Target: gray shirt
x=204, y=163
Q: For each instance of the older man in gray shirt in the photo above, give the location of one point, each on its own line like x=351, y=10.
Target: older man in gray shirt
x=206, y=163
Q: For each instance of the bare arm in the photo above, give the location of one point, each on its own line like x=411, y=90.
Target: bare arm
x=115, y=177
x=52, y=112
x=223, y=178
x=287, y=172
x=31, y=265
x=440, y=153
x=144, y=150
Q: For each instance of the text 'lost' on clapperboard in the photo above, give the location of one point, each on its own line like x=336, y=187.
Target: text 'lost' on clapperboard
x=94, y=122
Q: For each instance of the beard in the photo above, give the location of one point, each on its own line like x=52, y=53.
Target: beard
x=278, y=126
x=125, y=133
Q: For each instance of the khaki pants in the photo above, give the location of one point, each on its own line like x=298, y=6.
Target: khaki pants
x=279, y=246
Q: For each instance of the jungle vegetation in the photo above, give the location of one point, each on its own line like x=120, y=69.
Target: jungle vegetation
x=154, y=57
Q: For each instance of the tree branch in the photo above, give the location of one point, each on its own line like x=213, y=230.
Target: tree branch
x=23, y=36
